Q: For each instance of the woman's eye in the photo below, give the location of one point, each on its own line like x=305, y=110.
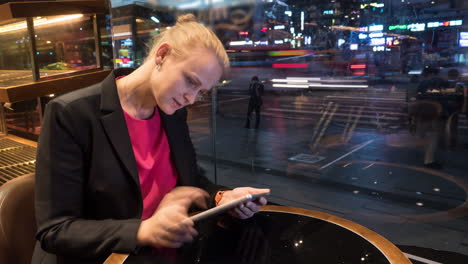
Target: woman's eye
x=190, y=81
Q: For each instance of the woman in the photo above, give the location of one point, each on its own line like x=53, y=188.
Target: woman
x=116, y=169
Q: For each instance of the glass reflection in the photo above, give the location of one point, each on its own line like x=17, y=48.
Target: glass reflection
x=363, y=112
x=269, y=237
x=64, y=44
x=15, y=57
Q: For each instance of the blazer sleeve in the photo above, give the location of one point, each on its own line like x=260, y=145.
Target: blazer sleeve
x=61, y=176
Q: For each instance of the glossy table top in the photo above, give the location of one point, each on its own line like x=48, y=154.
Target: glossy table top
x=280, y=235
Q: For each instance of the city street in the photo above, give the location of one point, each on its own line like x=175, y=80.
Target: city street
x=349, y=152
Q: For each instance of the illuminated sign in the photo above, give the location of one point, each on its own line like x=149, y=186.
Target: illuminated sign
x=127, y=42
x=379, y=5
x=376, y=28
x=341, y=42
x=377, y=41
x=389, y=41
x=362, y=36
x=289, y=13
x=328, y=12
x=265, y=42
x=376, y=35
x=417, y=27
x=379, y=48
x=434, y=24
x=450, y=23
x=279, y=27
x=393, y=27
x=243, y=33
x=353, y=46
x=463, y=42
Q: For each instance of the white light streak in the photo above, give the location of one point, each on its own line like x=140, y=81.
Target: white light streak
x=190, y=5
x=42, y=21
x=240, y=43
x=302, y=21
x=290, y=86
x=155, y=19
x=289, y=81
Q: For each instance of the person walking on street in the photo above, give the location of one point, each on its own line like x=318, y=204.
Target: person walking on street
x=255, y=101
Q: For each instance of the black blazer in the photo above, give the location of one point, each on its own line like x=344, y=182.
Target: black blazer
x=88, y=200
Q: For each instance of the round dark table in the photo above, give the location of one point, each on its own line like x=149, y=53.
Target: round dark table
x=277, y=234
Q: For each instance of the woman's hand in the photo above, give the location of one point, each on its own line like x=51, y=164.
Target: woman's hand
x=245, y=210
x=170, y=225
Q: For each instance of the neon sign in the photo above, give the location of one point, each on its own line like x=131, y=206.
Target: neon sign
x=376, y=28
x=417, y=27
x=393, y=27
x=379, y=5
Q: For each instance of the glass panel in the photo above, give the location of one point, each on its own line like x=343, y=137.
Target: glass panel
x=106, y=40
x=23, y=118
x=363, y=109
x=64, y=44
x=15, y=58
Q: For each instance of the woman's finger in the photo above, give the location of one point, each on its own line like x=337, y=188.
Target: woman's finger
x=252, y=206
x=237, y=213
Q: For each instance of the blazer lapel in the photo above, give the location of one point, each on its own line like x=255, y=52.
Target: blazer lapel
x=114, y=124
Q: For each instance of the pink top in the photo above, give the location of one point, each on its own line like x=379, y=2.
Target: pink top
x=156, y=171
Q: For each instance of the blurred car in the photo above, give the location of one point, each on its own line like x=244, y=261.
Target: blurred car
x=447, y=71
x=58, y=66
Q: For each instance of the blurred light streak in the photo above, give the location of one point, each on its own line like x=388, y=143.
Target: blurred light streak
x=290, y=65
x=288, y=52
x=305, y=86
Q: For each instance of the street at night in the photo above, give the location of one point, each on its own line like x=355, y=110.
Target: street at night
x=346, y=151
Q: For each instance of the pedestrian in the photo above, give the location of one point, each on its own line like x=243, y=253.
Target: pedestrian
x=116, y=169
x=255, y=101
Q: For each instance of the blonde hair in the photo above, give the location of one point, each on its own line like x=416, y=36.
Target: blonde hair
x=186, y=34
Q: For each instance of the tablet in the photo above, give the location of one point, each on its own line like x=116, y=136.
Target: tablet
x=227, y=206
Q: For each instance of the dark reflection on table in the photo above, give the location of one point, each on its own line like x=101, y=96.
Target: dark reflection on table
x=270, y=237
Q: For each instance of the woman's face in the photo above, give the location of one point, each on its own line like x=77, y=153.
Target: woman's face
x=179, y=80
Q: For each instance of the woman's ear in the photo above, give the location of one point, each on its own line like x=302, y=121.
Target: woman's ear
x=162, y=52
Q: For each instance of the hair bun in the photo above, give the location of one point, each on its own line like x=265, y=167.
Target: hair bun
x=186, y=18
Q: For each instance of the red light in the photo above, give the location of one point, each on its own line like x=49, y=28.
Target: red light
x=264, y=29
x=446, y=23
x=357, y=66
x=359, y=73
x=290, y=65
x=243, y=32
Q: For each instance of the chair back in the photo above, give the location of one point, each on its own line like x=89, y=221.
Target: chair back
x=17, y=222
